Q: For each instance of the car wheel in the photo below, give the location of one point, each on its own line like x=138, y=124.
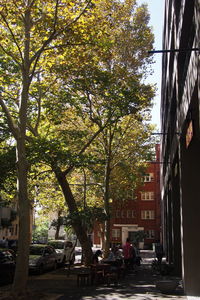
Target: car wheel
x=41, y=269
x=63, y=261
x=55, y=265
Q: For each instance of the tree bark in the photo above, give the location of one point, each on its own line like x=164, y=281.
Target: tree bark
x=107, y=206
x=58, y=226
x=77, y=225
x=21, y=273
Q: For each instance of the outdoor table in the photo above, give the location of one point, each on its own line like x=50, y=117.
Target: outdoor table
x=98, y=272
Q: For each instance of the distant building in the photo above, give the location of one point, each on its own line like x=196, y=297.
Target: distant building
x=180, y=146
x=9, y=222
x=139, y=213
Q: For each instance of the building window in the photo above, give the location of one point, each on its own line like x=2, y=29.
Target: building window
x=128, y=214
x=147, y=214
x=122, y=214
x=147, y=196
x=16, y=229
x=133, y=213
x=11, y=230
x=117, y=213
x=149, y=177
x=150, y=234
x=116, y=233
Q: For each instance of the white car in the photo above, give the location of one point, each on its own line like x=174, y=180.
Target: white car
x=59, y=246
x=42, y=257
x=64, y=250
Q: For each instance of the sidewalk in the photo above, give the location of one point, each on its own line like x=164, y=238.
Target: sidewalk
x=57, y=285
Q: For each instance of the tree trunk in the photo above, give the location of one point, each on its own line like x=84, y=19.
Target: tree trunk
x=57, y=233
x=107, y=206
x=21, y=273
x=77, y=225
x=102, y=232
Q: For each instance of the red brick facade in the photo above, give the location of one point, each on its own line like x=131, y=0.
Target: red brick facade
x=139, y=212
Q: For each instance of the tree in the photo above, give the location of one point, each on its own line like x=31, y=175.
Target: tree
x=38, y=40
x=28, y=30
x=124, y=149
x=111, y=88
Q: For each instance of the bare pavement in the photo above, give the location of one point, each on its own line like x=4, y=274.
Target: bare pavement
x=62, y=285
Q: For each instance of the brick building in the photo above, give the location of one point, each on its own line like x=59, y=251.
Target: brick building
x=139, y=212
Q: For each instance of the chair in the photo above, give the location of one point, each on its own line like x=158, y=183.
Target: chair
x=112, y=277
x=83, y=279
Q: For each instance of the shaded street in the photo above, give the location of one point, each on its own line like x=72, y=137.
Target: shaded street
x=58, y=285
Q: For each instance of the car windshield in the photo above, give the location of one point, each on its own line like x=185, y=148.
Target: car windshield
x=56, y=244
x=36, y=250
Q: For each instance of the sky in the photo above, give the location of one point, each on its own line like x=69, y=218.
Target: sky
x=156, y=10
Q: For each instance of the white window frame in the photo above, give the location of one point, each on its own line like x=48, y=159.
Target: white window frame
x=117, y=214
x=150, y=234
x=128, y=214
x=147, y=214
x=147, y=196
x=116, y=233
x=149, y=177
x=133, y=213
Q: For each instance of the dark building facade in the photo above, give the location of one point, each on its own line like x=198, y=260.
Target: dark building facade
x=180, y=146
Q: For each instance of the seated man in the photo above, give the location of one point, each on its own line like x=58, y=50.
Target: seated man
x=95, y=259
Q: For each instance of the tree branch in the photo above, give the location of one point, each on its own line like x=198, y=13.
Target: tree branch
x=67, y=45
x=84, y=148
x=54, y=35
x=12, y=125
x=13, y=36
x=11, y=55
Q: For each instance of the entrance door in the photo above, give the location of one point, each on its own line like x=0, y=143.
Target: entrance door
x=132, y=236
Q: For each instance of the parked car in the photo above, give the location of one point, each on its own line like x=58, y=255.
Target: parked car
x=7, y=266
x=78, y=255
x=65, y=251
x=42, y=257
x=59, y=246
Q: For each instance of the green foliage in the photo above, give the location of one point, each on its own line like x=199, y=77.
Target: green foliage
x=87, y=216
x=7, y=172
x=5, y=223
x=69, y=70
x=40, y=232
x=58, y=222
x=138, y=236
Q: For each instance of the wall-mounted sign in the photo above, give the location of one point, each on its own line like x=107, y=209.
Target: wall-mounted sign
x=189, y=134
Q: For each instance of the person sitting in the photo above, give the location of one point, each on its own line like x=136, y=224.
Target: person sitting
x=114, y=256
x=95, y=259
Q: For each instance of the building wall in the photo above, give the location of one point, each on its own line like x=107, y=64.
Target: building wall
x=180, y=143
x=128, y=214
x=10, y=231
